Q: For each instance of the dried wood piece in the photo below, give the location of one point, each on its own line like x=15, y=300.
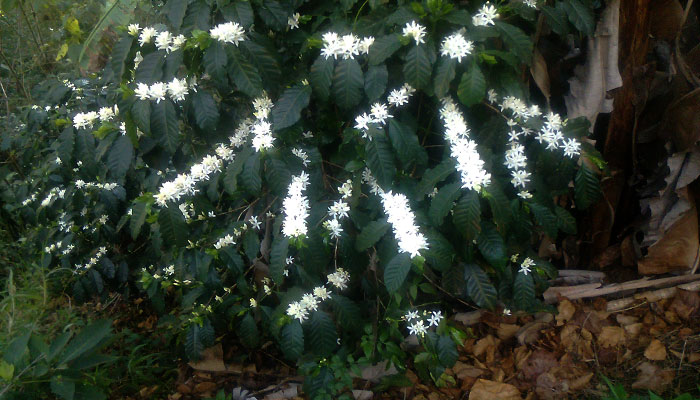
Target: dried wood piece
x=651, y=296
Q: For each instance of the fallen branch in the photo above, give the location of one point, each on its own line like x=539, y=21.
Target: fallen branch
x=651, y=296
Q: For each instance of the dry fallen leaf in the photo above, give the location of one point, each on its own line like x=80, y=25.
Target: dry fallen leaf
x=490, y=390
x=656, y=351
x=565, y=310
x=611, y=336
x=486, y=346
x=507, y=331
x=652, y=377
x=685, y=304
x=539, y=362
x=212, y=360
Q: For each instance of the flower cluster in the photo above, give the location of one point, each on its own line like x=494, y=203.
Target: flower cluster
x=293, y=21
x=229, y=32
x=526, y=265
x=107, y=113
x=296, y=207
x=379, y=112
x=85, y=120
x=419, y=324
x=177, y=89
x=92, y=261
x=462, y=148
x=262, y=129
x=54, y=193
x=346, y=46
x=487, y=13
x=456, y=46
x=414, y=30
x=371, y=181
x=184, y=184
x=310, y=301
x=338, y=210
x=81, y=184
x=402, y=219
x=224, y=241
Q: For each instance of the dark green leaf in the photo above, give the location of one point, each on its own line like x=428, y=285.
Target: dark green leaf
x=120, y=155
x=586, y=187
x=380, y=160
x=479, y=286
x=197, y=339
x=244, y=74
x=175, y=10
x=446, y=351
x=150, y=69
x=321, y=75
x=120, y=52
x=545, y=218
x=63, y=387
x=581, y=15
x=251, y=244
x=396, y=271
x=418, y=65
x=435, y=175
x=141, y=114
x=440, y=251
x=262, y=54
x=274, y=14
x=347, y=83
x=138, y=217
x=347, y=313
x=516, y=40
x=383, y=48
x=215, y=61
x=251, y=174
x=164, y=125
x=173, y=227
x=441, y=205
x=491, y=245
x=287, y=109
x=467, y=215
x=17, y=348
x=565, y=221
x=472, y=86
x=322, y=334
x=206, y=111
x=235, y=168
x=239, y=11
x=87, y=340
x=375, y=81
x=523, y=291
x=248, y=332
x=405, y=143
x=371, y=234
x=292, y=340
x=444, y=75
x=278, y=258
x=556, y=19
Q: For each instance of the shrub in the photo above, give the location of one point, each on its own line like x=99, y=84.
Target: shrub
x=297, y=171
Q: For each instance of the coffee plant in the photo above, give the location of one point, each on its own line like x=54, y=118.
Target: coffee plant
x=331, y=176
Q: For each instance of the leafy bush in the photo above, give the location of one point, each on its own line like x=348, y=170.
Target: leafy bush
x=293, y=171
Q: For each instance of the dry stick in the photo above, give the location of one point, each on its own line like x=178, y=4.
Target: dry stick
x=651, y=296
x=594, y=289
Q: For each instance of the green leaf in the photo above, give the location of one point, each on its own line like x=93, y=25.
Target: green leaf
x=383, y=48
x=479, y=287
x=581, y=15
x=62, y=387
x=119, y=157
x=435, y=175
x=278, y=258
x=440, y=251
x=405, y=143
x=215, y=61
x=239, y=11
x=141, y=114
x=516, y=40
x=556, y=18
x=545, y=218
x=206, y=111
x=287, y=109
x=263, y=55
x=173, y=227
x=375, y=81
x=322, y=334
x=467, y=215
x=565, y=221
x=66, y=144
x=164, y=125
x=274, y=14
x=17, y=348
x=197, y=339
x=586, y=187
x=278, y=176
x=251, y=244
x=251, y=174
x=441, y=205
x=116, y=13
x=472, y=86
x=235, y=168
x=175, y=10
x=120, y=53
x=491, y=245
x=248, y=332
x=444, y=75
x=138, y=217
x=346, y=312
x=523, y=291
x=418, y=65
x=371, y=234
x=87, y=340
x=321, y=75
x=380, y=160
x=347, y=84
x=57, y=345
x=243, y=73
x=396, y=271
x=446, y=351
x=150, y=70
x=7, y=371
x=292, y=340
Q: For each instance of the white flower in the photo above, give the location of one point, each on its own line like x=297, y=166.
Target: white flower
x=487, y=13
x=85, y=120
x=309, y=302
x=224, y=241
x=530, y=3
x=289, y=260
x=402, y=220
x=163, y=41
x=254, y=223
x=142, y=91
x=415, y=30
x=137, y=59
x=134, y=29
x=293, y=21
x=339, y=209
x=435, y=318
x=302, y=155
x=571, y=147
x=339, y=278
x=372, y=182
x=456, y=46
x=346, y=189
x=296, y=207
x=397, y=97
x=262, y=106
x=157, y=91
x=526, y=265
x=229, y=32
x=295, y=310
x=418, y=328
x=411, y=315
x=492, y=96
x=524, y=194
x=362, y=121
x=322, y=293
x=333, y=227
x=379, y=113
x=263, y=135
x=506, y=311
x=520, y=177
x=307, y=134
x=365, y=44
x=147, y=35
x=106, y=113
